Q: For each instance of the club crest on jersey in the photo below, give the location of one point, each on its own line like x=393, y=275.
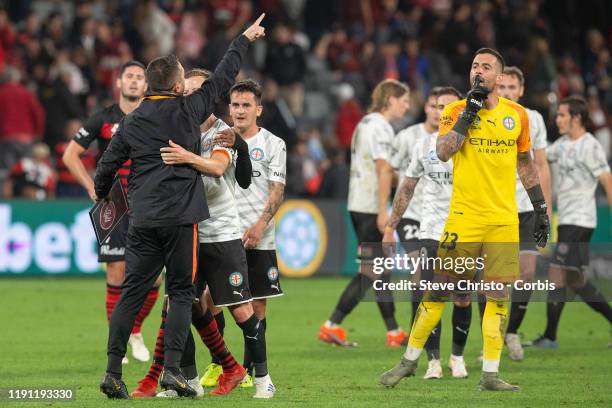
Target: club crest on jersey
x=206, y=145
x=433, y=156
x=509, y=123
x=107, y=215
x=257, y=154
x=273, y=274
x=235, y=279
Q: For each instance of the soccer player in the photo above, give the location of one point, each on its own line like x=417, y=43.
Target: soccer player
x=222, y=263
x=101, y=127
x=369, y=190
x=578, y=163
x=512, y=87
x=403, y=148
x=256, y=208
x=488, y=139
x=435, y=179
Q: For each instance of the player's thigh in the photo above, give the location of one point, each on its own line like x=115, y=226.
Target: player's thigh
x=369, y=240
x=572, y=250
x=227, y=274
x=501, y=254
x=143, y=258
x=263, y=275
x=460, y=248
x=180, y=251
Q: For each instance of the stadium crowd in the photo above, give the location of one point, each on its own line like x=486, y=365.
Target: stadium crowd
x=322, y=58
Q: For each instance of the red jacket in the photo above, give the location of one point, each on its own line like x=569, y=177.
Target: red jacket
x=349, y=116
x=22, y=118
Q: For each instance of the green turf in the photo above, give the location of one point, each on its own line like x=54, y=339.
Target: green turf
x=54, y=334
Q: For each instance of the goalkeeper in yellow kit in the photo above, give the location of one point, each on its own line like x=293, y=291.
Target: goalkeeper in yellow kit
x=488, y=139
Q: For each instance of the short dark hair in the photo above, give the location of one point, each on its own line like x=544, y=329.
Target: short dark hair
x=577, y=106
x=132, y=63
x=493, y=52
x=162, y=73
x=448, y=90
x=198, y=72
x=516, y=72
x=247, y=85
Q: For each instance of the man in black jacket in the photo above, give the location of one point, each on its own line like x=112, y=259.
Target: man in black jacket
x=166, y=203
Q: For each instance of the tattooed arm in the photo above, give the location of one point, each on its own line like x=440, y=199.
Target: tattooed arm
x=253, y=235
x=529, y=177
x=527, y=171
x=402, y=199
x=449, y=144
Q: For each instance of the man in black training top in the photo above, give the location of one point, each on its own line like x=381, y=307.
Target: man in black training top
x=166, y=203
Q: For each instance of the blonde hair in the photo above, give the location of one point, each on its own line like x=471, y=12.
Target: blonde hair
x=383, y=91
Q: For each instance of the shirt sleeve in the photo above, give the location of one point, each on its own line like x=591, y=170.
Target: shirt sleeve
x=90, y=131
x=381, y=143
x=415, y=168
x=595, y=159
x=539, y=137
x=524, y=139
x=278, y=162
x=449, y=117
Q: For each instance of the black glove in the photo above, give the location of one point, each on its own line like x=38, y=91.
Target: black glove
x=244, y=167
x=541, y=229
x=475, y=100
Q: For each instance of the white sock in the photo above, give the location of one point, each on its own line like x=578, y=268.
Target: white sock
x=412, y=353
x=490, y=366
x=330, y=324
x=458, y=358
x=394, y=332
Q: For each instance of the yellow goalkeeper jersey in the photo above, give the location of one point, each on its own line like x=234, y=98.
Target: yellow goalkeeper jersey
x=484, y=168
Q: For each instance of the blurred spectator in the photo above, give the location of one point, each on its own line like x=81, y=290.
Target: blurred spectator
x=349, y=114
x=61, y=101
x=414, y=67
x=276, y=115
x=7, y=38
x=600, y=122
x=155, y=27
x=229, y=16
x=22, y=119
x=286, y=64
x=336, y=177
x=32, y=178
x=67, y=184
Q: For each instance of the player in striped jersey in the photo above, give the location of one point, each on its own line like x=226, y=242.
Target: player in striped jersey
x=512, y=87
x=256, y=208
x=101, y=127
x=222, y=262
x=436, y=180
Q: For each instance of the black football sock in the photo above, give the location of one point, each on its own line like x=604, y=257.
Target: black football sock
x=554, y=307
x=482, y=304
x=254, y=334
x=462, y=318
x=386, y=306
x=520, y=301
x=432, y=345
x=593, y=297
x=351, y=296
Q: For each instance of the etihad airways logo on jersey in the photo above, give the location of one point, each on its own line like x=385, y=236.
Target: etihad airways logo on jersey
x=441, y=177
x=495, y=146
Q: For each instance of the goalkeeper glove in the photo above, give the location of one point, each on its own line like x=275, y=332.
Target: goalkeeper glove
x=475, y=100
x=542, y=224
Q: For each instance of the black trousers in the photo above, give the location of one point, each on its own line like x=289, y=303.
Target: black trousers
x=147, y=251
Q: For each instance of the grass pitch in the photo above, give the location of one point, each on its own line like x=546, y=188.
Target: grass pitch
x=54, y=334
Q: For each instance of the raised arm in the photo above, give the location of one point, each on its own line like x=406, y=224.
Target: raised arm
x=202, y=102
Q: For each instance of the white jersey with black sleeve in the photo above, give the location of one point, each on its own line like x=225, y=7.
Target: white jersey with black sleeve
x=269, y=160
x=577, y=165
x=372, y=140
x=223, y=223
x=403, y=151
x=436, y=179
x=537, y=131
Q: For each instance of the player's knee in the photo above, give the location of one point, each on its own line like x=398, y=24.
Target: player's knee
x=241, y=312
x=259, y=307
x=115, y=273
x=198, y=310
